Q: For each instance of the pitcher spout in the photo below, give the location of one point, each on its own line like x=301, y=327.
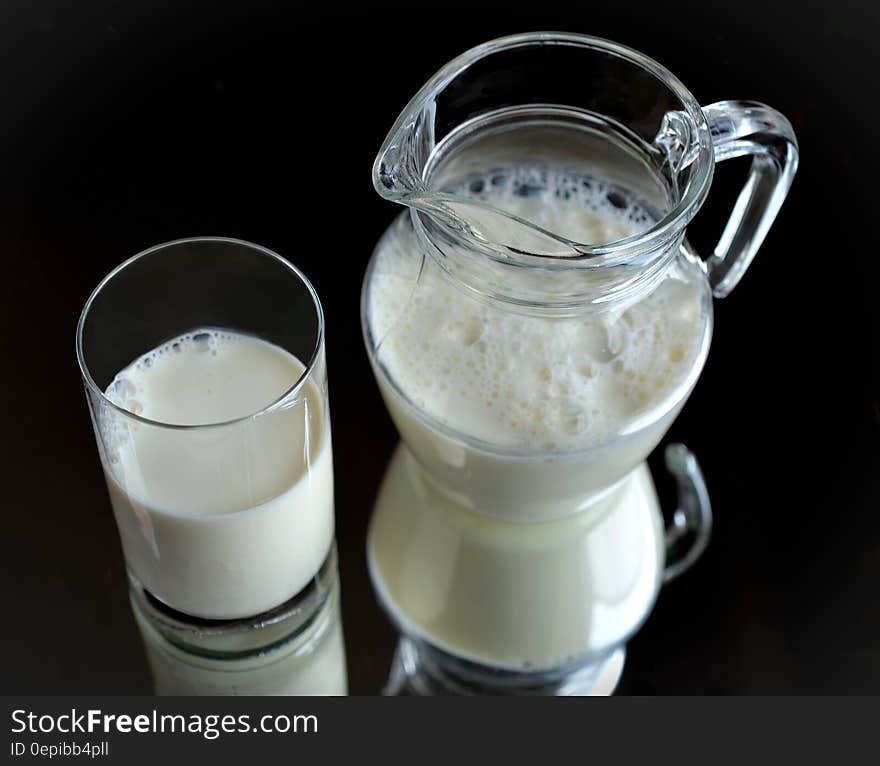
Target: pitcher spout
x=482, y=158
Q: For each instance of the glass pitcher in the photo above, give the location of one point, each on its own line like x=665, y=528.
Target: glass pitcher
x=537, y=319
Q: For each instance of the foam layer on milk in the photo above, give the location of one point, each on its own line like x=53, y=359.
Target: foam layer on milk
x=526, y=382
x=205, y=376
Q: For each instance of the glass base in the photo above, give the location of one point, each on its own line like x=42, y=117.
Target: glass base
x=422, y=670
x=294, y=649
x=238, y=637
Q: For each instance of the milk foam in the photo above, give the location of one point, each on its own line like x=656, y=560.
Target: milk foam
x=229, y=520
x=529, y=382
x=203, y=377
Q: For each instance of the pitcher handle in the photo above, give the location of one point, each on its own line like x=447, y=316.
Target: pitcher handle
x=749, y=128
x=693, y=515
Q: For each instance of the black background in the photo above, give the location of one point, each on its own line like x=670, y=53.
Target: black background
x=125, y=124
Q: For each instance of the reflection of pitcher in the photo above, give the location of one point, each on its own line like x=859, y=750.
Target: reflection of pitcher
x=537, y=321
x=505, y=592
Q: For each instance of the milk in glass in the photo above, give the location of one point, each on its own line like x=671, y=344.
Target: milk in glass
x=235, y=518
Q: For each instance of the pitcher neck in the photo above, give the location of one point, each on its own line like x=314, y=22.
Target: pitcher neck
x=564, y=291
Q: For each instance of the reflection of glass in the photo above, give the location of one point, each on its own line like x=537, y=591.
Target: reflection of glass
x=536, y=321
x=296, y=649
x=204, y=367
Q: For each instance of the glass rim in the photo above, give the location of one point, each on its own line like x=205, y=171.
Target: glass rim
x=93, y=387
x=609, y=254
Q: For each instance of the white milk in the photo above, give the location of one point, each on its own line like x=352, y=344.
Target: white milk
x=310, y=664
x=225, y=521
x=513, y=595
x=520, y=416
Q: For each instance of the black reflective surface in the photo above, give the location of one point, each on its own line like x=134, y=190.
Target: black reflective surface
x=127, y=124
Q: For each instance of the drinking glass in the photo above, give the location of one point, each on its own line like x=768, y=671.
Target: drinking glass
x=218, y=520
